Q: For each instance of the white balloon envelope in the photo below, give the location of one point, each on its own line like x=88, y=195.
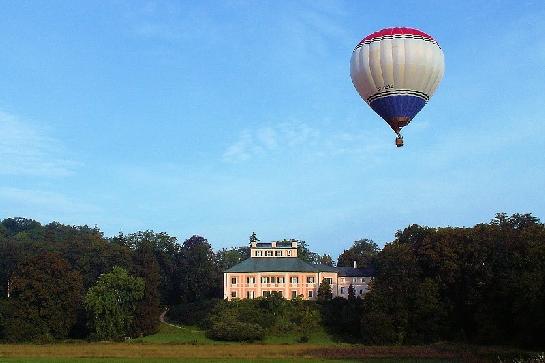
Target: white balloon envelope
x=396, y=71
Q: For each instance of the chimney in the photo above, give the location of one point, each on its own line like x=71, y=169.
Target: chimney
x=273, y=244
x=293, y=244
x=355, y=264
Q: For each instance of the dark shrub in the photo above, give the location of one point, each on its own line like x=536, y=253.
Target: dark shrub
x=195, y=313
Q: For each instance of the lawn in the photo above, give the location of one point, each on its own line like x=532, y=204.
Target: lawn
x=193, y=335
x=224, y=360
x=181, y=335
x=172, y=344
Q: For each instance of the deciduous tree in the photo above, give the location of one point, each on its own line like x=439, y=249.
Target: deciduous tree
x=112, y=303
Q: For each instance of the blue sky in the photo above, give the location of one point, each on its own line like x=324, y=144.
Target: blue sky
x=223, y=118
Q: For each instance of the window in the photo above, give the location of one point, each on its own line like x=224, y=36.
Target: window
x=233, y=294
x=268, y=253
x=294, y=279
x=281, y=293
x=289, y=252
x=256, y=253
x=265, y=279
x=329, y=280
x=249, y=294
x=278, y=253
x=342, y=290
x=310, y=279
x=361, y=292
x=250, y=280
x=266, y=293
x=310, y=294
x=294, y=294
x=280, y=280
x=233, y=280
x=273, y=280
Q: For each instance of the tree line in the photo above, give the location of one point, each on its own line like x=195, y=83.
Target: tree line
x=59, y=281
x=483, y=284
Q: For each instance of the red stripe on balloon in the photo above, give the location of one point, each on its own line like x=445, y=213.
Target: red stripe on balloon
x=397, y=31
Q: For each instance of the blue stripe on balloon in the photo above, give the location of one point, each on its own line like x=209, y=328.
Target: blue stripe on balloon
x=397, y=106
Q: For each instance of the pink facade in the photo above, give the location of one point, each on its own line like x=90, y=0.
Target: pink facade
x=289, y=284
x=274, y=267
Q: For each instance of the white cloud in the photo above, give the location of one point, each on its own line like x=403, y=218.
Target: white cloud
x=27, y=150
x=298, y=139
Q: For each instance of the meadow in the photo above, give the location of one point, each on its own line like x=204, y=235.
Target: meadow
x=176, y=344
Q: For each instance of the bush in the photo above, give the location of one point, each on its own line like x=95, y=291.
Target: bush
x=227, y=326
x=248, y=320
x=195, y=313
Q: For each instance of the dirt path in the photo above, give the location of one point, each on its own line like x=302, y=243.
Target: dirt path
x=162, y=319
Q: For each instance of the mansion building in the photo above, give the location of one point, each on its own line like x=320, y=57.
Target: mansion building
x=274, y=267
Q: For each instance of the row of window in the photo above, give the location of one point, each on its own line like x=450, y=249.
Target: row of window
x=251, y=294
x=278, y=280
x=269, y=253
x=354, y=279
x=345, y=291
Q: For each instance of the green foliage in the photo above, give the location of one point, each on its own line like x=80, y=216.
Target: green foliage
x=148, y=309
x=253, y=238
x=44, y=299
x=228, y=326
x=112, y=303
x=362, y=251
x=326, y=259
x=342, y=317
x=167, y=253
x=351, y=292
x=324, y=291
x=200, y=278
x=272, y=315
x=483, y=284
x=195, y=313
x=227, y=258
x=304, y=253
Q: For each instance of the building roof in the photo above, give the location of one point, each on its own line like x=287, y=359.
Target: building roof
x=324, y=268
x=356, y=272
x=278, y=264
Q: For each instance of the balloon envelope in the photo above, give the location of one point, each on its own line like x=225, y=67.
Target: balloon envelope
x=396, y=71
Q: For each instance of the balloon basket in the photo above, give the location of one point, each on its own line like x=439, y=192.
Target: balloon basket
x=399, y=141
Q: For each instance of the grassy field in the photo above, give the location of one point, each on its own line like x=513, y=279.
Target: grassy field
x=226, y=360
x=172, y=344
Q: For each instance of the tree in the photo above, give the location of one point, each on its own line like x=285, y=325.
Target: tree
x=44, y=298
x=199, y=276
x=351, y=292
x=304, y=253
x=111, y=303
x=362, y=251
x=253, y=238
x=227, y=258
x=326, y=259
x=167, y=254
x=324, y=291
x=148, y=309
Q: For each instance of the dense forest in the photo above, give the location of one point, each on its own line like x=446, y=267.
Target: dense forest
x=483, y=284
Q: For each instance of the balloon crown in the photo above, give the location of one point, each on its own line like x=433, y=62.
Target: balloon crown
x=396, y=32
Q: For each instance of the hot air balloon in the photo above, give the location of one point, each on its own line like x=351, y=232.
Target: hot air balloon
x=396, y=71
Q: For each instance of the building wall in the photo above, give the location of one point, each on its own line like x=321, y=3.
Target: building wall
x=306, y=286
x=361, y=285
